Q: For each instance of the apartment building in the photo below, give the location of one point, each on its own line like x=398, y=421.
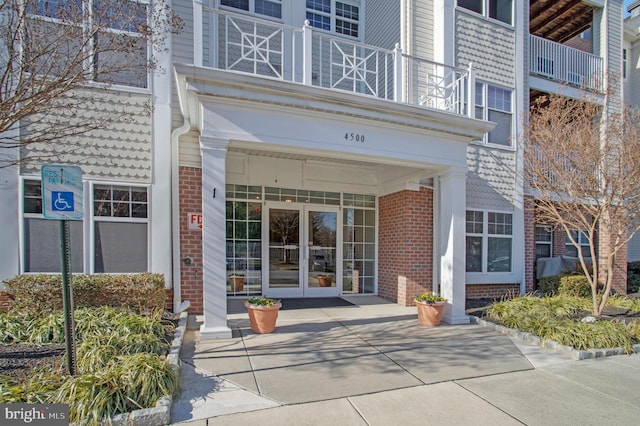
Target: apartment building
x=326, y=148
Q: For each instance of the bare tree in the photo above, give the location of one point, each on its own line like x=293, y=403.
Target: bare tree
x=582, y=165
x=52, y=51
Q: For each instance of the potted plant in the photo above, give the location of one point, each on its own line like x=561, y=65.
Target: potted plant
x=430, y=307
x=263, y=314
x=237, y=282
x=325, y=280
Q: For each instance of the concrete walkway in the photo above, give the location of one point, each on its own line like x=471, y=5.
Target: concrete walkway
x=372, y=364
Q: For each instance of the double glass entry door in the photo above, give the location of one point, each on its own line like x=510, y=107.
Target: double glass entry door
x=302, y=252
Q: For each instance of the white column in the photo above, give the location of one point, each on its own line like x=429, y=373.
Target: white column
x=10, y=215
x=214, y=153
x=160, y=240
x=452, y=245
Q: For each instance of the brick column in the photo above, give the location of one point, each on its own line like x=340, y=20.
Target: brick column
x=405, y=245
x=529, y=243
x=191, y=240
x=619, y=284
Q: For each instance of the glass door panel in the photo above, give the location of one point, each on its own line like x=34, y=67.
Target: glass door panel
x=284, y=250
x=321, y=234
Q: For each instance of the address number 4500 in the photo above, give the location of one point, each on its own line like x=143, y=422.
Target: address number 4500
x=354, y=137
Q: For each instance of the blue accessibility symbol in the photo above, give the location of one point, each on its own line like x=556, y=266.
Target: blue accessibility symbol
x=62, y=201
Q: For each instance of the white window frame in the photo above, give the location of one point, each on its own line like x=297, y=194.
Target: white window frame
x=40, y=216
x=334, y=18
x=252, y=8
x=583, y=242
x=95, y=219
x=485, y=235
x=482, y=96
x=548, y=231
x=88, y=5
x=485, y=6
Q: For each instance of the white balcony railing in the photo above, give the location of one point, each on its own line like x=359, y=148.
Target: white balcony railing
x=260, y=47
x=565, y=64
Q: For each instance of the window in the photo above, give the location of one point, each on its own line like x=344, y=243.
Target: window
x=244, y=238
x=489, y=241
x=331, y=15
x=501, y=10
x=272, y=8
x=359, y=245
x=624, y=63
x=41, y=239
x=494, y=104
x=583, y=242
x=543, y=237
x=117, y=52
x=120, y=228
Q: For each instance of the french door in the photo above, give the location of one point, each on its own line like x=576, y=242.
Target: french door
x=302, y=253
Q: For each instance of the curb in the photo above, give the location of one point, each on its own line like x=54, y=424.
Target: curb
x=550, y=344
x=160, y=414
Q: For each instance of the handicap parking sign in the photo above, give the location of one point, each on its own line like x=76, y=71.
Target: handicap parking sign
x=62, y=201
x=62, y=192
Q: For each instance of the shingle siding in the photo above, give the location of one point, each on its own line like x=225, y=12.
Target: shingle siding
x=120, y=151
x=489, y=46
x=490, y=178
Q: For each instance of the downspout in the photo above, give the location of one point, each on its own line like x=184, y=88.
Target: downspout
x=175, y=210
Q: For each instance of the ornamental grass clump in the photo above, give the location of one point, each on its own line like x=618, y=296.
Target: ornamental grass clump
x=130, y=383
x=120, y=356
x=554, y=318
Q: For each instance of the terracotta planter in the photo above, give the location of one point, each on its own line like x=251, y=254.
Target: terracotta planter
x=325, y=281
x=263, y=318
x=430, y=314
x=237, y=283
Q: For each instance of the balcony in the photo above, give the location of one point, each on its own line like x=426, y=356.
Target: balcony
x=247, y=44
x=565, y=64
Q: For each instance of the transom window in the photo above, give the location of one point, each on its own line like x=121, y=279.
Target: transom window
x=501, y=10
x=335, y=16
x=272, y=8
x=494, y=104
x=489, y=241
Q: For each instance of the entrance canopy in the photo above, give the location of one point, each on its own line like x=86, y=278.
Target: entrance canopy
x=271, y=133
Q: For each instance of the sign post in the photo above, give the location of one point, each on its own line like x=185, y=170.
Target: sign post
x=62, y=200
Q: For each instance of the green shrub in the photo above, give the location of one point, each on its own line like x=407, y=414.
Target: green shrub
x=142, y=292
x=549, y=285
x=574, y=285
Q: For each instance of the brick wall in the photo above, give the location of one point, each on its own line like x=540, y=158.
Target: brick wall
x=492, y=291
x=6, y=300
x=529, y=244
x=405, y=251
x=619, y=284
x=191, y=240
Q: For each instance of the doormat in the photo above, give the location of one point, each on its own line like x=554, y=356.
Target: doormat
x=313, y=302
